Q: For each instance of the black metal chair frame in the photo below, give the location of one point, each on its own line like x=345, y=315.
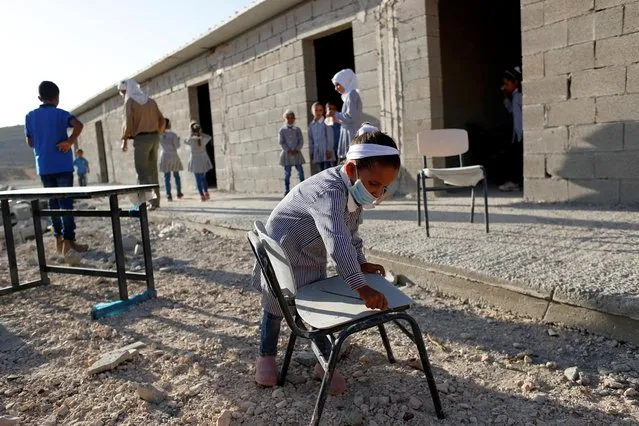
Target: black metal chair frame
x=422, y=191
x=343, y=331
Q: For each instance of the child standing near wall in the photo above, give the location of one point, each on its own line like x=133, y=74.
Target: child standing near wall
x=291, y=141
x=199, y=162
x=82, y=167
x=513, y=103
x=170, y=162
x=320, y=139
x=346, y=85
x=333, y=123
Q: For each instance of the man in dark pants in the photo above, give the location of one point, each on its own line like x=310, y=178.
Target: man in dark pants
x=143, y=122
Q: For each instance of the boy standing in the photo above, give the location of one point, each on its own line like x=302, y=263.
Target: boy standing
x=46, y=132
x=82, y=167
x=333, y=123
x=291, y=141
x=320, y=139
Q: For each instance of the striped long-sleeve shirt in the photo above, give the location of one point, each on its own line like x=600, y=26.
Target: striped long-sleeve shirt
x=317, y=219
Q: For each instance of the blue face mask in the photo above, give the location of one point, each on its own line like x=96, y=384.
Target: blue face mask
x=361, y=195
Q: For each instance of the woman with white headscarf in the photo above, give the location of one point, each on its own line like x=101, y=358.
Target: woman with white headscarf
x=143, y=122
x=345, y=83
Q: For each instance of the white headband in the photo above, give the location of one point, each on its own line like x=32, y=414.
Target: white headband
x=365, y=150
x=367, y=128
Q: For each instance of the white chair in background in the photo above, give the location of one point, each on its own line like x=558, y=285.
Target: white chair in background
x=448, y=143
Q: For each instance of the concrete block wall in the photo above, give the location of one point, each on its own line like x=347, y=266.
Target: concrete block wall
x=254, y=77
x=581, y=100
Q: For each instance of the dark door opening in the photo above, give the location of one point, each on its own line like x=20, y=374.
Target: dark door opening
x=104, y=170
x=206, y=121
x=332, y=53
x=479, y=40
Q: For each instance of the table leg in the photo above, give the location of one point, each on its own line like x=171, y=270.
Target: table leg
x=37, y=226
x=146, y=247
x=10, y=243
x=117, y=245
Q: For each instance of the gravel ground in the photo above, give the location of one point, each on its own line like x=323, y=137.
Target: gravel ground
x=580, y=255
x=201, y=341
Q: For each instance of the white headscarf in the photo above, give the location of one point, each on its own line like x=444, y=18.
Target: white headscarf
x=347, y=79
x=133, y=91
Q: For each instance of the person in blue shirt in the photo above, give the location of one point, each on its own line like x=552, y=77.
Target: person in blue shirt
x=46, y=132
x=81, y=167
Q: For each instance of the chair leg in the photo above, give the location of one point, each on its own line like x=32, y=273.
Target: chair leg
x=472, y=205
x=326, y=382
x=287, y=359
x=423, y=356
x=386, y=342
x=486, y=202
x=419, y=202
x=425, y=205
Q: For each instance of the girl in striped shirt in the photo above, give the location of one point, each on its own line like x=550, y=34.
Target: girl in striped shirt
x=320, y=217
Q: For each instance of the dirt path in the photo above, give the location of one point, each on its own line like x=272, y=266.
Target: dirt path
x=202, y=334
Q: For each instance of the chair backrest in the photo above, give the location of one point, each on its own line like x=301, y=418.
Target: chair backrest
x=279, y=261
x=442, y=142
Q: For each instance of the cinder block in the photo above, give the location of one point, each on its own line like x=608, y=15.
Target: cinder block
x=415, y=90
x=366, y=62
x=599, y=82
x=581, y=111
x=632, y=82
x=617, y=50
x=558, y=10
x=631, y=18
x=594, y=191
x=412, y=29
x=609, y=22
x=552, y=140
x=621, y=165
x=321, y=8
x=603, y=4
x=532, y=16
x=618, y=108
x=571, y=165
x=597, y=137
x=535, y=166
x=546, y=190
x=549, y=89
x=581, y=29
x=631, y=136
x=629, y=191
x=545, y=38
x=570, y=59
x=534, y=117
x=534, y=66
x=410, y=50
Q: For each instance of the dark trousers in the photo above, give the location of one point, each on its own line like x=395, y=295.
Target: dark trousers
x=515, y=163
x=287, y=175
x=64, y=226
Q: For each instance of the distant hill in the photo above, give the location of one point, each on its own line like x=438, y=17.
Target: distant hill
x=16, y=158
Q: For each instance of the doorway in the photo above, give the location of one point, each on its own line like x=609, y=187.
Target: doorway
x=478, y=42
x=201, y=111
x=104, y=170
x=333, y=53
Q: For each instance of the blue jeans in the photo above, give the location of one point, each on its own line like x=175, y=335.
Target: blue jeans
x=167, y=183
x=270, y=333
x=202, y=184
x=287, y=175
x=82, y=179
x=66, y=225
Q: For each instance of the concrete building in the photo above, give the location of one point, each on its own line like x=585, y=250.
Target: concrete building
x=421, y=64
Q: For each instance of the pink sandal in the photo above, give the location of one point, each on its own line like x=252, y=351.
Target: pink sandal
x=338, y=383
x=266, y=371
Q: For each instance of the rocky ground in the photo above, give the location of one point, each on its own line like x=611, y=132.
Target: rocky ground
x=200, y=340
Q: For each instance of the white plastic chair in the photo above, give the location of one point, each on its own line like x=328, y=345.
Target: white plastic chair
x=448, y=143
x=329, y=310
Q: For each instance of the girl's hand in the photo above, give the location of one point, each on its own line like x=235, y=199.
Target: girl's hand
x=372, y=268
x=373, y=298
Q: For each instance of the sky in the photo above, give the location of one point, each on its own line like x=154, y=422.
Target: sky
x=86, y=46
